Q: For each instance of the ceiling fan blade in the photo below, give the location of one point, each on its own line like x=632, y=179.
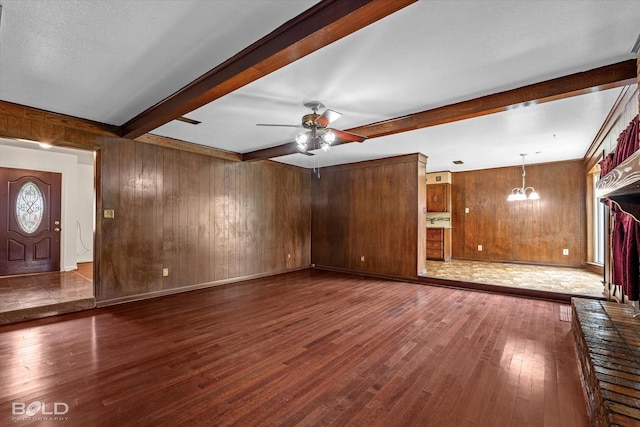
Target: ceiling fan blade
x=286, y=126
x=344, y=136
x=327, y=117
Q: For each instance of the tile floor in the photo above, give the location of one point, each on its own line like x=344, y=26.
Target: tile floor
x=18, y=292
x=575, y=281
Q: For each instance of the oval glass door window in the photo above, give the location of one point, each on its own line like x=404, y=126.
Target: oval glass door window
x=29, y=207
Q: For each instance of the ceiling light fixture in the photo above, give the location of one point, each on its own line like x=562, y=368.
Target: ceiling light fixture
x=318, y=135
x=521, y=193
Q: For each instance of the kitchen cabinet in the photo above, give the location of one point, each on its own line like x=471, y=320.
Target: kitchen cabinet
x=439, y=244
x=439, y=198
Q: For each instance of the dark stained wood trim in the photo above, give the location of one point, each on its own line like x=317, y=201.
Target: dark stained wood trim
x=179, y=144
x=319, y=26
x=607, y=77
x=55, y=119
x=386, y=161
x=20, y=122
x=592, y=155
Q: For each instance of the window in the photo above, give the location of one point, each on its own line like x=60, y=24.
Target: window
x=29, y=207
x=598, y=228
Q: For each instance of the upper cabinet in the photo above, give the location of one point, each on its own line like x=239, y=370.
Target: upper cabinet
x=438, y=197
x=439, y=192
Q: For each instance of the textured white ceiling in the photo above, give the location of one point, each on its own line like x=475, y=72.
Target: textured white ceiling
x=110, y=60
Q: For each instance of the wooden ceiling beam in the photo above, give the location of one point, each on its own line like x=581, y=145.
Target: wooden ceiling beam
x=319, y=26
x=283, y=150
x=607, y=77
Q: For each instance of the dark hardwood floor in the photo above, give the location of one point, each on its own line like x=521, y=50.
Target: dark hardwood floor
x=305, y=348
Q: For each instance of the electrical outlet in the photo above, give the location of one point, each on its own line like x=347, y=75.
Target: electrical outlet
x=165, y=272
x=565, y=252
x=479, y=248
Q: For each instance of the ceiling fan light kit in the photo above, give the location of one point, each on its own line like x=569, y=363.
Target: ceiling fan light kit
x=318, y=135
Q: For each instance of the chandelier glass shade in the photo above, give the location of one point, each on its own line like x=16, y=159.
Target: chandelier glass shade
x=314, y=139
x=524, y=192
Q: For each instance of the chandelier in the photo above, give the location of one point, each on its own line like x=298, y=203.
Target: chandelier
x=524, y=193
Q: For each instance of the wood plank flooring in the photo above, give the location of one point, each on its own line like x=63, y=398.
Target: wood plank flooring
x=305, y=348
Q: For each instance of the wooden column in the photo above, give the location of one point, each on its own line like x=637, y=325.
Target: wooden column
x=422, y=219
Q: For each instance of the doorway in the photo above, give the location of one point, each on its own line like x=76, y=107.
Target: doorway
x=29, y=286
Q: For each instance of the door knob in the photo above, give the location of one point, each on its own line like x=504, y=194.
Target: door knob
x=57, y=230
x=56, y=222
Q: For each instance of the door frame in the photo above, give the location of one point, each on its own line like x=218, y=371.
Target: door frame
x=27, y=162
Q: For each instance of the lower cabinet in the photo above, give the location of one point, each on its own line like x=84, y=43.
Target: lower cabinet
x=439, y=244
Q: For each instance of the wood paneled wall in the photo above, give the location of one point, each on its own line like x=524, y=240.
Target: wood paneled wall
x=533, y=231
x=371, y=210
x=205, y=219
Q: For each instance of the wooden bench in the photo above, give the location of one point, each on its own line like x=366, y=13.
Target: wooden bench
x=607, y=338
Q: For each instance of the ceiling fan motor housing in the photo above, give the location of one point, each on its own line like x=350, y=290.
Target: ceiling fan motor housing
x=309, y=120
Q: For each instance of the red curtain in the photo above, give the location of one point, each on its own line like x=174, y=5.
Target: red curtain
x=625, y=270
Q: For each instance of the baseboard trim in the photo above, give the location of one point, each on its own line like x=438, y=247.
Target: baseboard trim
x=595, y=268
x=198, y=286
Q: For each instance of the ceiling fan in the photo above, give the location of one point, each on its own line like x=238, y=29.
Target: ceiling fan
x=316, y=134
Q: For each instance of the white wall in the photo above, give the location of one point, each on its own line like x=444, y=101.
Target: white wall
x=85, y=222
x=77, y=193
